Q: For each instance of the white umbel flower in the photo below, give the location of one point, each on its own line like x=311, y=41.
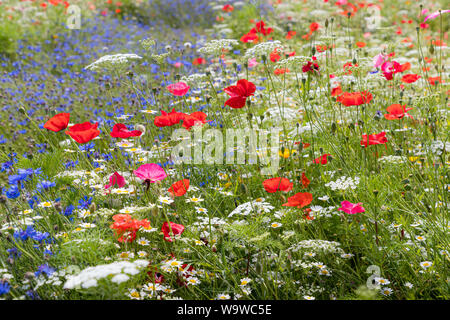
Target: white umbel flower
x=112, y=59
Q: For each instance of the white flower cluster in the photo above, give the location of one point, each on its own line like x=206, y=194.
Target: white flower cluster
x=438, y=147
x=293, y=62
x=343, y=183
x=112, y=59
x=392, y=159
x=119, y=270
x=264, y=48
x=257, y=206
x=196, y=79
x=216, y=46
x=317, y=245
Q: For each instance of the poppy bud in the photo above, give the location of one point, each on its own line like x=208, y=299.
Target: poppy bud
x=264, y=58
x=92, y=207
x=375, y=192
x=326, y=23
x=58, y=206
x=154, y=211
x=22, y=110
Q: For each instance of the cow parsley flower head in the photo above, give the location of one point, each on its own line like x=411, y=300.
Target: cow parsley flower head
x=264, y=48
x=109, y=60
x=215, y=47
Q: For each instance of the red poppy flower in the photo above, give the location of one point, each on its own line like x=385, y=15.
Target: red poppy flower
x=299, y=200
x=307, y=215
x=126, y=227
x=121, y=131
x=179, y=188
x=321, y=48
x=275, y=56
x=83, y=132
x=410, y=78
x=397, y=111
x=305, y=181
x=168, y=119
x=310, y=67
x=227, y=8
x=336, y=91
x=58, y=122
x=194, y=118
x=372, y=139
x=260, y=28
x=434, y=80
x=313, y=26
x=172, y=229
x=323, y=159
x=281, y=71
x=354, y=98
x=290, y=34
x=250, y=37
x=178, y=89
x=277, y=184
x=198, y=61
x=239, y=93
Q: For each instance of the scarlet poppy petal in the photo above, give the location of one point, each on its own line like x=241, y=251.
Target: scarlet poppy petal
x=236, y=102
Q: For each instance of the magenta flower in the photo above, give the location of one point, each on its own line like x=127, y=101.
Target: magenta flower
x=178, y=89
x=150, y=172
x=379, y=59
x=351, y=208
x=116, y=179
x=435, y=15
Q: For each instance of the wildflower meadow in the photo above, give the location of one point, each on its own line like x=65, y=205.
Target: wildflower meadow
x=224, y=150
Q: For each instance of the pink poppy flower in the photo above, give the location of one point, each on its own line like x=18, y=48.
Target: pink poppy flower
x=150, y=172
x=351, y=208
x=252, y=63
x=116, y=179
x=172, y=228
x=435, y=15
x=178, y=89
x=379, y=59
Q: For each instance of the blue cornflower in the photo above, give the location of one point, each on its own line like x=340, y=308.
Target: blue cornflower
x=14, y=253
x=13, y=192
x=4, y=287
x=33, y=295
x=71, y=164
x=44, y=268
x=45, y=185
x=85, y=203
x=69, y=210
